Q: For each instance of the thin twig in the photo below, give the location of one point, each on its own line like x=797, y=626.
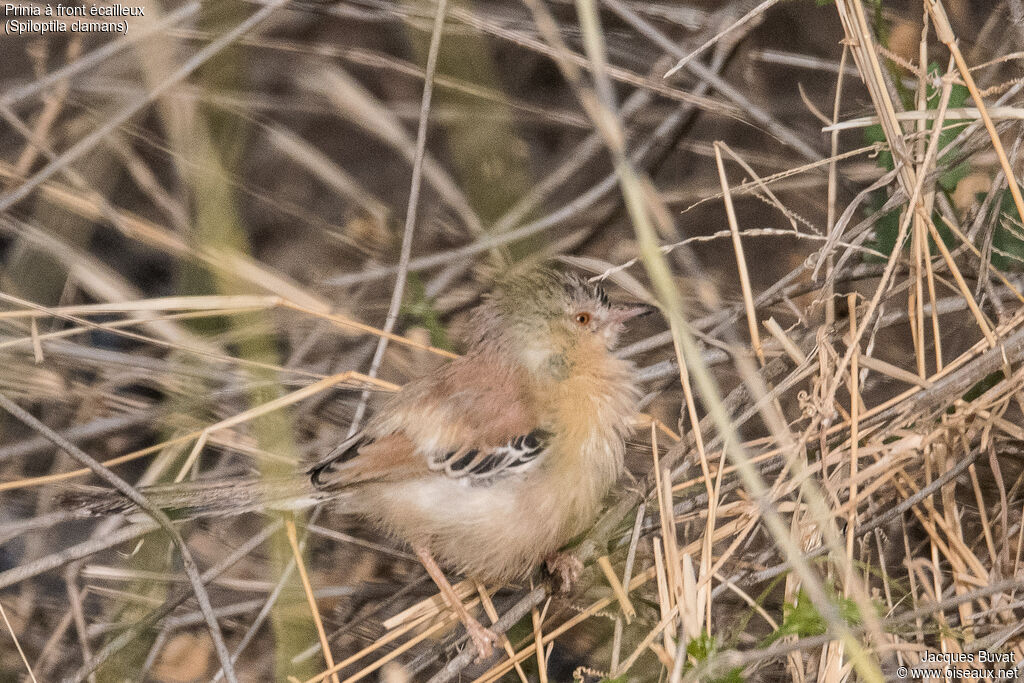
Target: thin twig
x=143, y=503
x=410, y=214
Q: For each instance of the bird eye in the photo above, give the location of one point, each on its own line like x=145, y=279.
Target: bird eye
x=583, y=318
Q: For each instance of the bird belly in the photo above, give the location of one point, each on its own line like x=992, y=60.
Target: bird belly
x=493, y=533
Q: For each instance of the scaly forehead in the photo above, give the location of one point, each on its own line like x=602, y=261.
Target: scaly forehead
x=547, y=293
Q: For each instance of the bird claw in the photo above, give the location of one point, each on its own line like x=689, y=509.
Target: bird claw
x=484, y=639
x=566, y=567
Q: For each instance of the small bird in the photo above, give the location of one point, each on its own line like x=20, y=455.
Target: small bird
x=492, y=462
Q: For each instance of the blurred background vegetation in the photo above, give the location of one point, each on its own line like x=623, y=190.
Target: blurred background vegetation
x=208, y=268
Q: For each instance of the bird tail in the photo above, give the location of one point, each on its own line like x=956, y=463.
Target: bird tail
x=213, y=498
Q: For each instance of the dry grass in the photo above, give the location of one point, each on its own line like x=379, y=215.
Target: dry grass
x=226, y=234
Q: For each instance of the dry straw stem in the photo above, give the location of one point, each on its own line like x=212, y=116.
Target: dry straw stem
x=88, y=142
x=854, y=22
x=233, y=265
x=70, y=554
x=293, y=541
x=431, y=630
x=538, y=638
x=945, y=33
x=355, y=378
x=163, y=611
x=202, y=350
x=14, y=637
x=620, y=593
x=741, y=259
x=361, y=107
x=918, y=115
x=721, y=85
x=155, y=513
x=723, y=532
x=943, y=388
x=855, y=407
x=566, y=57
x=429, y=607
x=492, y=614
x=94, y=58
x=755, y=12
x=398, y=291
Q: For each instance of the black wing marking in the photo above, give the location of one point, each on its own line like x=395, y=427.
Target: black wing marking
x=341, y=453
x=514, y=456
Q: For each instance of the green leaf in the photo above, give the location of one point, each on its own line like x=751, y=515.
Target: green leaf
x=951, y=128
x=802, y=618
x=1008, y=238
x=887, y=228
x=873, y=134
x=948, y=238
x=420, y=311
x=701, y=648
x=983, y=386
x=951, y=177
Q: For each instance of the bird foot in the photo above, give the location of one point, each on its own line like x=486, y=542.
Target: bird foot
x=566, y=567
x=484, y=639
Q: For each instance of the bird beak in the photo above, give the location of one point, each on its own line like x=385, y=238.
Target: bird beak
x=620, y=313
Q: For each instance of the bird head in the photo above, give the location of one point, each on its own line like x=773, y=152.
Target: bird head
x=545, y=316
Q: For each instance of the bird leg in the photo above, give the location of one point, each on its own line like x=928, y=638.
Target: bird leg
x=483, y=638
x=564, y=566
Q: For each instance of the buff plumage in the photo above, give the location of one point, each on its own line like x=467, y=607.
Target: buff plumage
x=491, y=463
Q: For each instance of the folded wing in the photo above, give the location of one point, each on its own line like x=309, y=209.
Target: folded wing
x=516, y=455
x=457, y=422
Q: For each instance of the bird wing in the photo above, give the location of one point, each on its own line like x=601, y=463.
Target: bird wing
x=459, y=422
x=515, y=455
x=394, y=458
x=360, y=459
